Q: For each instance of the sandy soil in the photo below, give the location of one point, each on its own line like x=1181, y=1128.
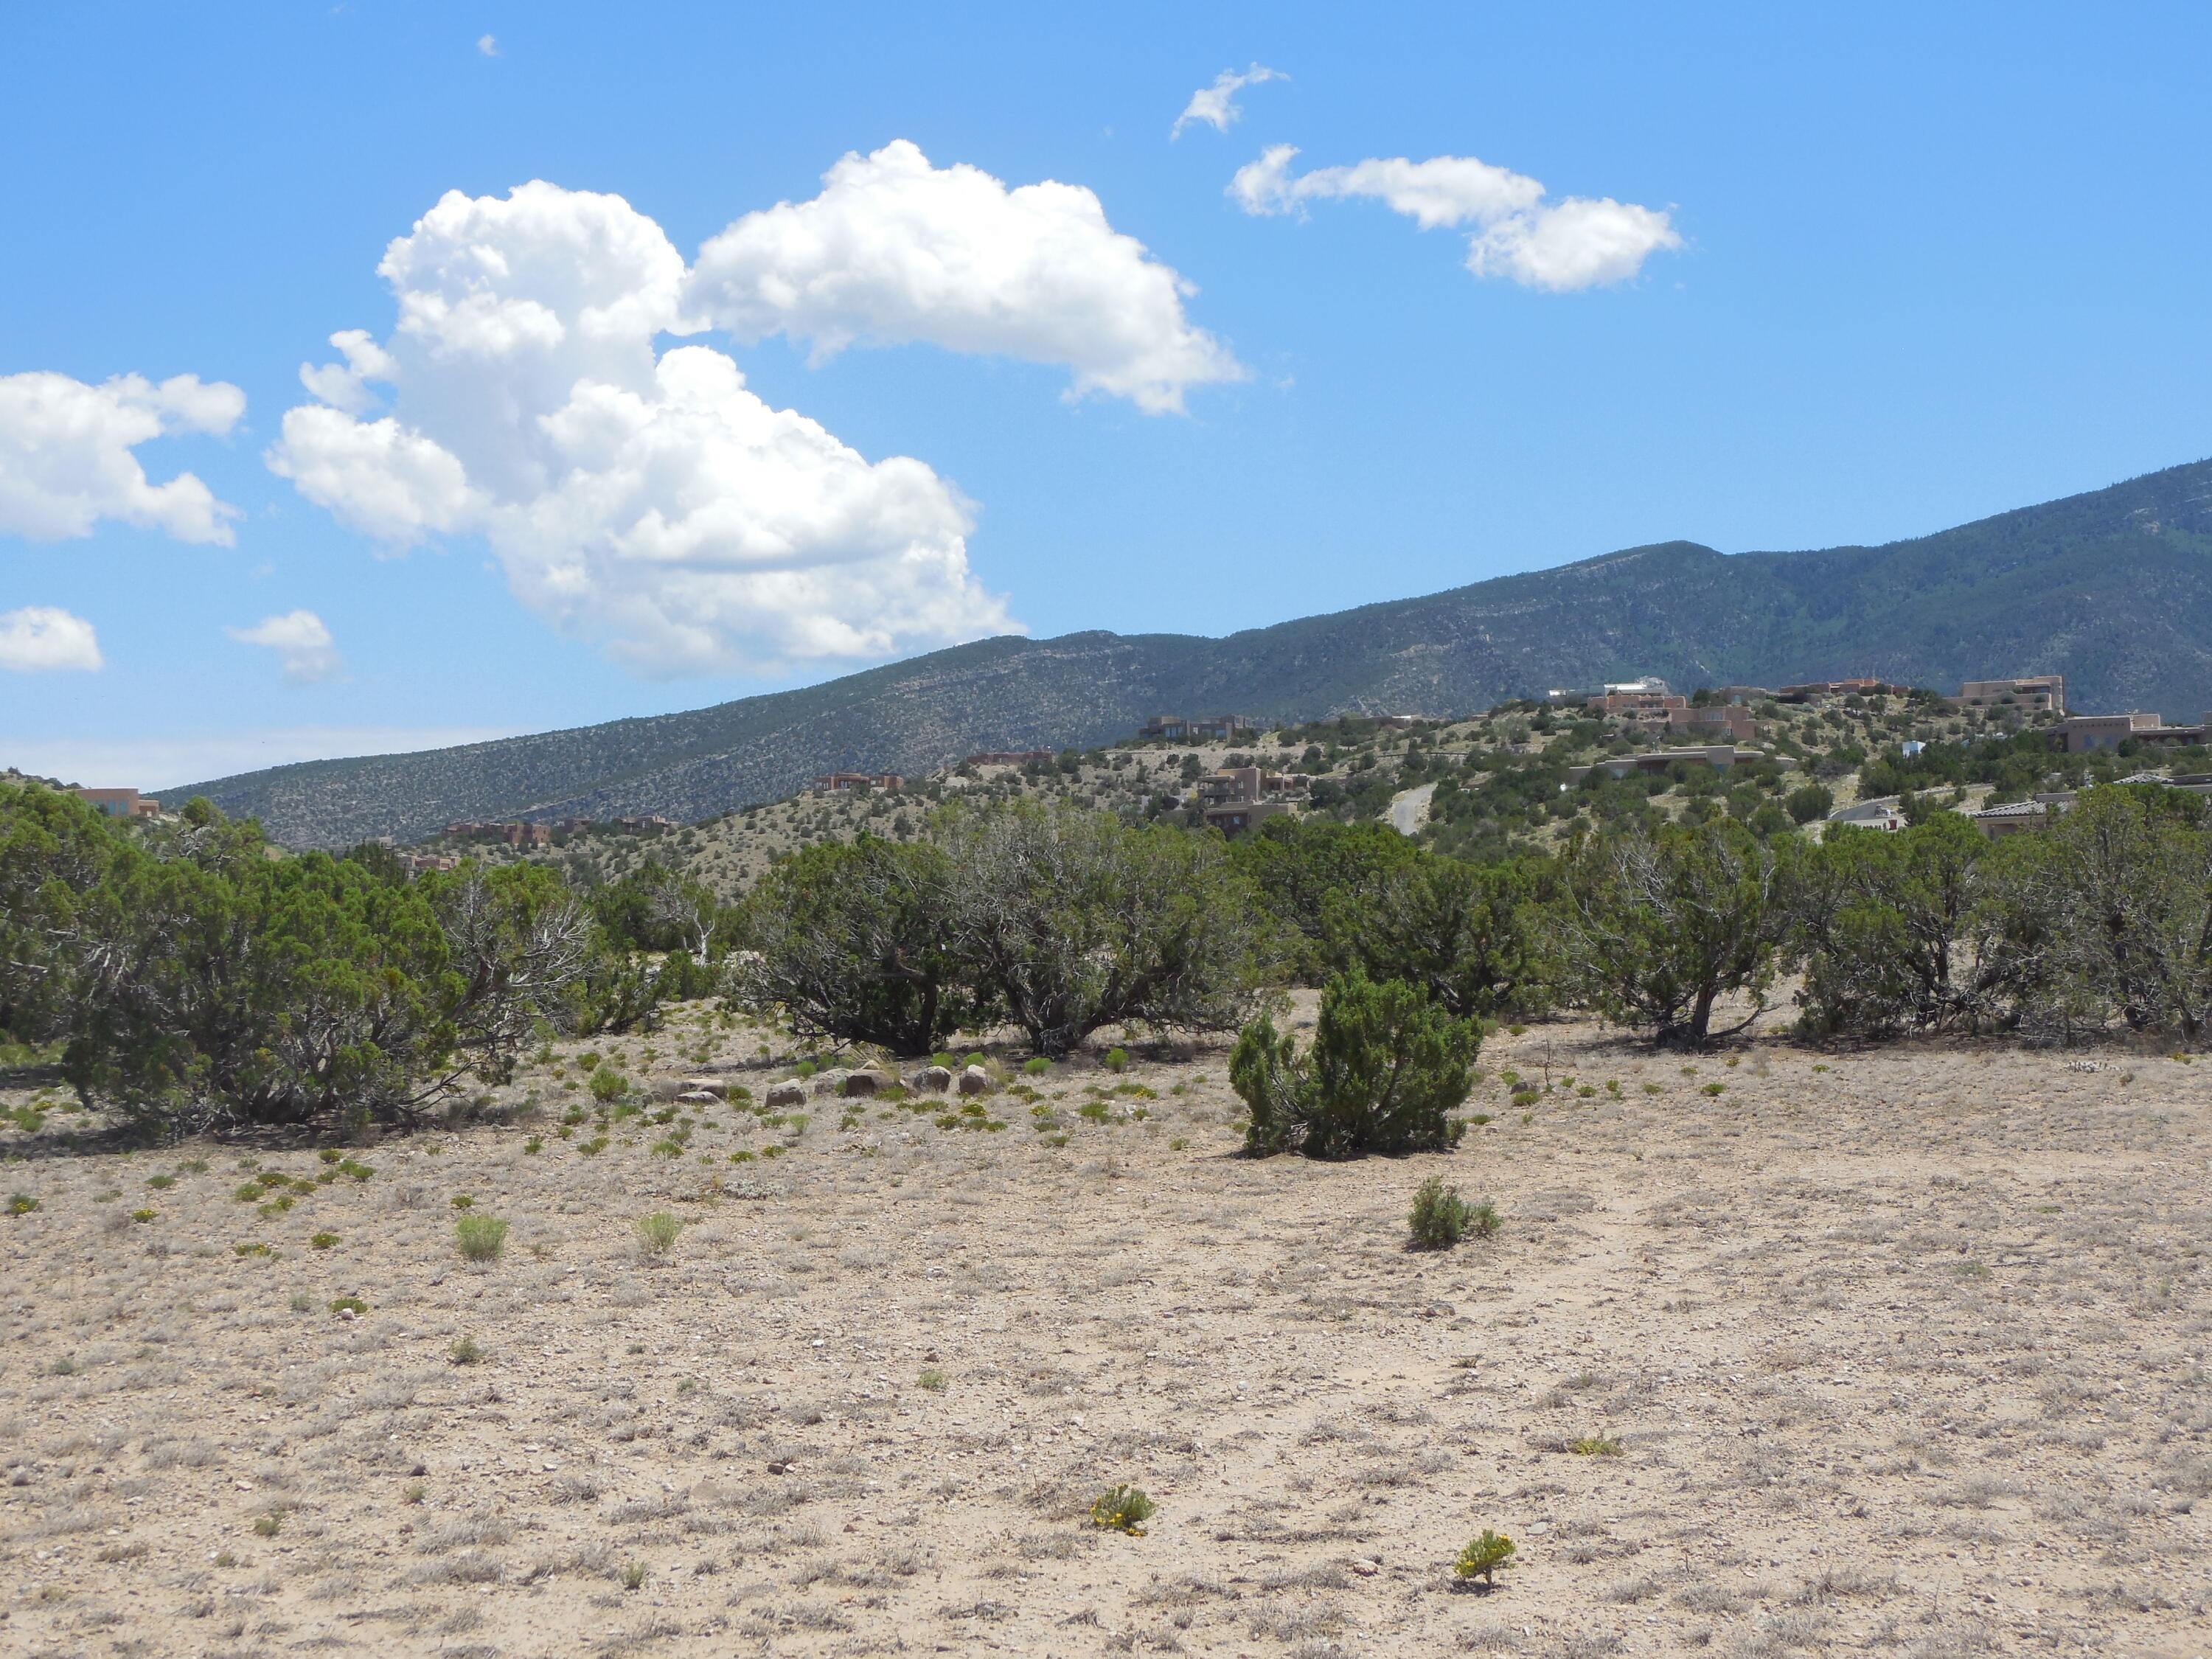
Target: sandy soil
x=1901, y=1353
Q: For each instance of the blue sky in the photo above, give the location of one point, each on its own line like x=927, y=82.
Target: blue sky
x=1896, y=268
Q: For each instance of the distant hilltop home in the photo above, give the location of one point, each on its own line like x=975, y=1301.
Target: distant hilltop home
x=1239, y=797
x=2084, y=733
x=1009, y=757
x=119, y=803
x=1192, y=728
x=1821, y=690
x=655, y=822
x=1647, y=705
x=2035, y=693
x=831, y=782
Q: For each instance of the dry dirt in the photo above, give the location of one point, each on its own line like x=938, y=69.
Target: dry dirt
x=1901, y=1353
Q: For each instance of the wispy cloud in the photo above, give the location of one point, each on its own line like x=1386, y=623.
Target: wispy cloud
x=300, y=642
x=1580, y=242
x=44, y=639
x=1216, y=106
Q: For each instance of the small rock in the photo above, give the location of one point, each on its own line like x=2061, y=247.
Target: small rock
x=1367, y=1569
x=697, y=1097
x=935, y=1078
x=789, y=1092
x=974, y=1080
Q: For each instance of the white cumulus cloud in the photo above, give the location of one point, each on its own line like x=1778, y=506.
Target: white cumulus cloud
x=301, y=643
x=1579, y=242
x=66, y=460
x=894, y=250
x=1217, y=104
x=648, y=500
x=488, y=44
x=44, y=639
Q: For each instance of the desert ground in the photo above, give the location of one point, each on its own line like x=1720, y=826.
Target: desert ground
x=1897, y=1351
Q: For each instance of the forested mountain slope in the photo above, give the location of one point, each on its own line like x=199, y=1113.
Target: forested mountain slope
x=2113, y=589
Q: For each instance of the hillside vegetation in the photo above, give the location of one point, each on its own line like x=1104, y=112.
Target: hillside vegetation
x=2113, y=589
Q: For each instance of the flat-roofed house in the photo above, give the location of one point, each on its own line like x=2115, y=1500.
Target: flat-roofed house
x=119, y=803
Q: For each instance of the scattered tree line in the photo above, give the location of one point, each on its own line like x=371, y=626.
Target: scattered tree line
x=196, y=977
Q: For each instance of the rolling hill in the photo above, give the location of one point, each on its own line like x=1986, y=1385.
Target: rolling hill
x=2112, y=588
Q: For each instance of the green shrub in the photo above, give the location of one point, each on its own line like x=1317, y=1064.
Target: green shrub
x=658, y=1231
x=608, y=1085
x=352, y=1304
x=481, y=1237
x=932, y=1379
x=21, y=1204
x=1037, y=1067
x=1117, y=1059
x=1595, y=1445
x=142, y=1215
x=634, y=1574
x=1123, y=1508
x=324, y=1241
x=1385, y=1070
x=1440, y=1215
x=161, y=1182
x=1484, y=1554
x=464, y=1351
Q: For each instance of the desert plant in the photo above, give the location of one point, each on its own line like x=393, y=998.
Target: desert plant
x=1385, y=1069
x=932, y=1380
x=608, y=1086
x=1070, y=920
x=352, y=1304
x=268, y=1525
x=1660, y=926
x=143, y=1215
x=1440, y=1215
x=302, y=1303
x=658, y=1231
x=1484, y=1554
x=634, y=1574
x=481, y=1237
x=324, y=1241
x=1117, y=1059
x=848, y=942
x=21, y=1204
x=464, y=1351
x=1472, y=938
x=1123, y=1508
x=1595, y=1445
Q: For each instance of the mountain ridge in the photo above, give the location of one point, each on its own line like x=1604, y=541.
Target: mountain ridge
x=2112, y=588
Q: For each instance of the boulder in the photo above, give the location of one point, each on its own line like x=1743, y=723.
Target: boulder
x=865, y=1083
x=830, y=1082
x=934, y=1079
x=698, y=1097
x=789, y=1092
x=706, y=1085
x=974, y=1080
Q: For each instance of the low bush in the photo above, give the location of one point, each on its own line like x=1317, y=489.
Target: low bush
x=1385, y=1070
x=481, y=1237
x=658, y=1231
x=1440, y=1217
x=1123, y=1508
x=1484, y=1553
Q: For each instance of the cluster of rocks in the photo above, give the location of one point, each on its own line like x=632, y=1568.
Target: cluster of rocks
x=863, y=1081
x=855, y=1082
